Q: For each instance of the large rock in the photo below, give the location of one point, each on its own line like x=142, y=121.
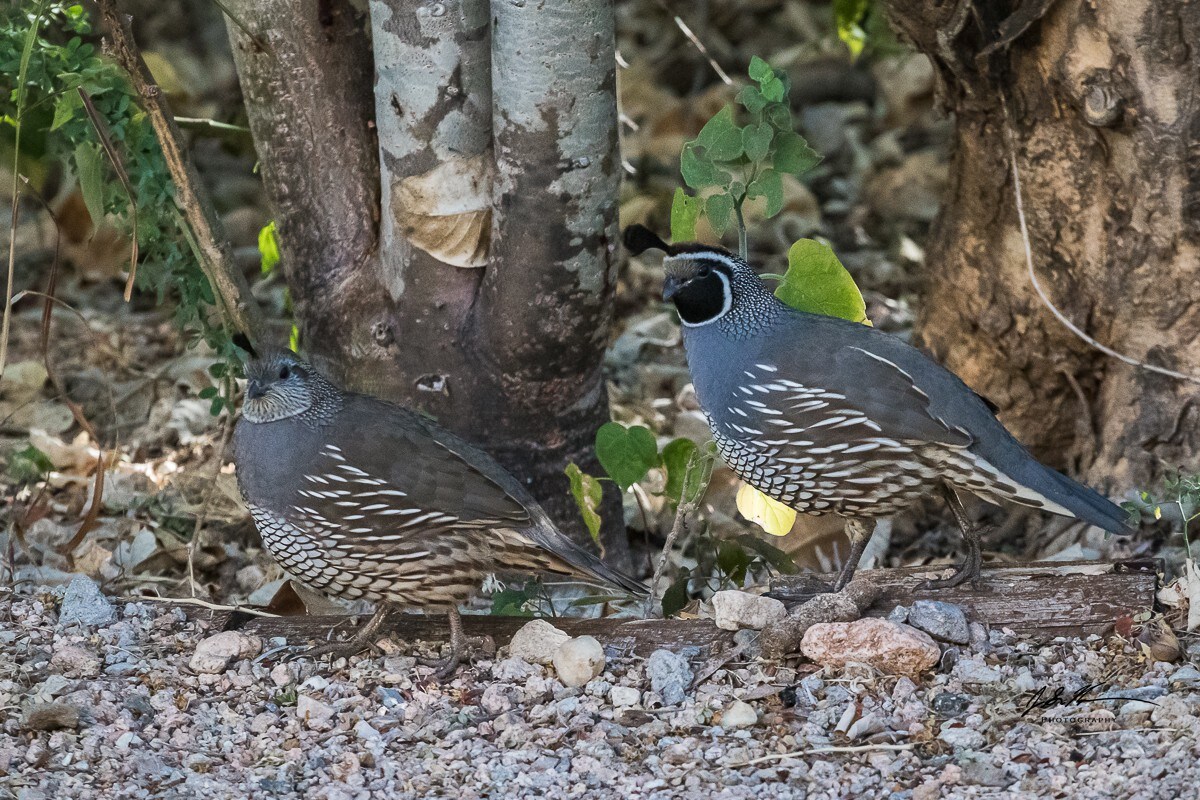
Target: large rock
x=579, y=660
x=888, y=646
x=734, y=610
x=537, y=642
x=214, y=654
x=84, y=604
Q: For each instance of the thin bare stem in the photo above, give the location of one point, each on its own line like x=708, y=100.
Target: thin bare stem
x=699, y=45
x=654, y=602
x=864, y=748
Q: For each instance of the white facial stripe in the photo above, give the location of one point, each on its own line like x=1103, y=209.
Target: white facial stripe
x=704, y=255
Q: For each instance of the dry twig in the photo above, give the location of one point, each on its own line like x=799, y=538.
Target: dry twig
x=216, y=256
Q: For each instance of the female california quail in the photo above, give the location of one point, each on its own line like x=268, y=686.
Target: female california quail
x=830, y=416
x=360, y=498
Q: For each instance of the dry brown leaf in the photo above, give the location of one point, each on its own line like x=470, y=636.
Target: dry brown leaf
x=447, y=212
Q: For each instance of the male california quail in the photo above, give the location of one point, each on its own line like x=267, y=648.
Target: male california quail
x=830, y=416
x=360, y=498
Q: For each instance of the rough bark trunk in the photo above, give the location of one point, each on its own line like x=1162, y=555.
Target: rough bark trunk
x=466, y=267
x=1104, y=100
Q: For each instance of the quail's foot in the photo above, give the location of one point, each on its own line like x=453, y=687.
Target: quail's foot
x=462, y=648
x=359, y=642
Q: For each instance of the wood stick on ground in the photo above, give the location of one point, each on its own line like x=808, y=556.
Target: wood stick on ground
x=216, y=255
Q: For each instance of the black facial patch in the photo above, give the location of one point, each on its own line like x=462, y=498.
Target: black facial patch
x=702, y=298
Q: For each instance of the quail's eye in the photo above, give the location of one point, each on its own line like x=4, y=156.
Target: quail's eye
x=704, y=271
x=284, y=373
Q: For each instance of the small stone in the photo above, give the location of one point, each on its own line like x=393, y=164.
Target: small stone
x=214, y=654
x=736, y=610
x=950, y=704
x=51, y=717
x=625, y=696
x=972, y=671
x=281, y=674
x=127, y=740
x=498, y=698
x=962, y=738
x=364, y=731
x=888, y=646
x=514, y=670
x=84, y=604
x=75, y=662
x=537, y=642
x=1187, y=675
x=312, y=711
x=739, y=715
x=944, y=621
x=579, y=660
x=670, y=675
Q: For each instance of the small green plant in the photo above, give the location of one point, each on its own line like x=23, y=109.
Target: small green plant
x=1180, y=496
x=731, y=164
x=862, y=27
x=46, y=119
x=28, y=465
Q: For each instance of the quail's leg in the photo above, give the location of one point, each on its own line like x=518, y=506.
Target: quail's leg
x=363, y=640
x=461, y=646
x=859, y=533
x=969, y=569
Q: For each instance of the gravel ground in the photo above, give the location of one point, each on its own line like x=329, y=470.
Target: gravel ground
x=116, y=709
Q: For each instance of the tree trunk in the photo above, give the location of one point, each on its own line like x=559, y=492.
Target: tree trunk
x=1104, y=102
x=447, y=247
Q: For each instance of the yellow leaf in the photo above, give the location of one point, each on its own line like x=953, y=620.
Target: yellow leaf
x=771, y=515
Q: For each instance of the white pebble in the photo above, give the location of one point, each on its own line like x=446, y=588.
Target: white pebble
x=625, y=696
x=214, y=654
x=537, y=642
x=578, y=660
x=739, y=714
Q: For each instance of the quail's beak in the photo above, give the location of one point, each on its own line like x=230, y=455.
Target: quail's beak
x=671, y=285
x=254, y=390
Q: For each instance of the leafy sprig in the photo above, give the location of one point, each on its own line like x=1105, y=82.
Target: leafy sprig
x=728, y=164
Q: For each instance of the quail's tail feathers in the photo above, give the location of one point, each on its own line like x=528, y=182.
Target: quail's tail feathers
x=1084, y=503
x=577, y=560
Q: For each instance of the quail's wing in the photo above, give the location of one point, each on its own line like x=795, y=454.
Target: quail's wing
x=856, y=389
x=385, y=476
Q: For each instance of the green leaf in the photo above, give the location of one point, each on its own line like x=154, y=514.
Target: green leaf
x=793, y=155
x=676, y=595
x=733, y=560
x=207, y=393
x=675, y=458
x=848, y=16
x=698, y=172
x=760, y=70
x=720, y=137
x=65, y=108
x=89, y=169
x=268, y=247
x=817, y=282
x=780, y=117
x=588, y=494
x=29, y=465
x=718, y=209
x=774, y=90
x=511, y=602
x=685, y=211
x=756, y=141
x=626, y=454
x=752, y=99
x=768, y=184
x=778, y=559
x=698, y=473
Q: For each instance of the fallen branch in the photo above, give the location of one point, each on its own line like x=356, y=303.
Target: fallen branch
x=216, y=255
x=862, y=748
